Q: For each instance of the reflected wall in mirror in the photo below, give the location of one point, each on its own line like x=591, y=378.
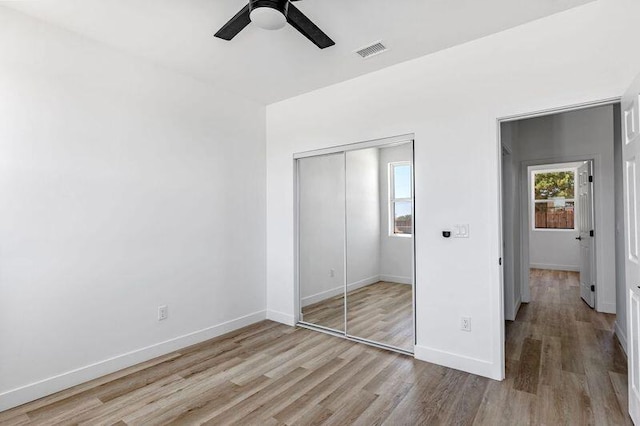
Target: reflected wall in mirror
x=379, y=245
x=321, y=239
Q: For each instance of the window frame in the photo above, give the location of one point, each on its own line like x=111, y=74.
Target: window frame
x=533, y=201
x=392, y=200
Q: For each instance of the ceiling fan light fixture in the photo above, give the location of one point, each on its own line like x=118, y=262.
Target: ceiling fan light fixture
x=269, y=14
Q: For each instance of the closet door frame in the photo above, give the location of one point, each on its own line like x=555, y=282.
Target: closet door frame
x=376, y=143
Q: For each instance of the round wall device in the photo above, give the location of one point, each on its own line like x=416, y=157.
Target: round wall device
x=269, y=14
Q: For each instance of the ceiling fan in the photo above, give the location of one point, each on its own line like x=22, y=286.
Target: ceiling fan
x=273, y=15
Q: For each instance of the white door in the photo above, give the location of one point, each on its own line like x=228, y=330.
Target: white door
x=631, y=157
x=586, y=233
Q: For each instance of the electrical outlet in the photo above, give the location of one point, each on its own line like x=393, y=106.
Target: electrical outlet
x=332, y=273
x=163, y=312
x=465, y=323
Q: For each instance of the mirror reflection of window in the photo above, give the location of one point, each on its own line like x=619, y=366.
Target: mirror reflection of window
x=400, y=204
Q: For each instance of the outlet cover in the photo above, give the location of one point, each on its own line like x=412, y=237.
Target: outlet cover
x=163, y=312
x=465, y=323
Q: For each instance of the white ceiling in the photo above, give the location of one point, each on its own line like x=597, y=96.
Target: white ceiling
x=268, y=66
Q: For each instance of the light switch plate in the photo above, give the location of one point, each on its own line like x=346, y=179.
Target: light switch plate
x=461, y=231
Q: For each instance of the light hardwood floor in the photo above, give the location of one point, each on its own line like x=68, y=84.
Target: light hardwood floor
x=564, y=367
x=381, y=312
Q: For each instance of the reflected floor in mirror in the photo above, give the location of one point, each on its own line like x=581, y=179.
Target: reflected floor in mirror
x=380, y=312
x=327, y=313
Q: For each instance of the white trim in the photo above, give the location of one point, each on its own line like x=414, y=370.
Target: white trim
x=607, y=308
x=553, y=267
x=323, y=295
x=459, y=362
x=393, y=140
x=48, y=386
x=396, y=279
x=621, y=336
x=336, y=291
x=559, y=110
x=525, y=216
x=281, y=317
x=297, y=303
x=517, y=309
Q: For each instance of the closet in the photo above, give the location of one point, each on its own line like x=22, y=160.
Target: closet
x=355, y=242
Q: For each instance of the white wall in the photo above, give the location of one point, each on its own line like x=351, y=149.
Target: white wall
x=396, y=253
x=551, y=248
x=451, y=101
x=123, y=187
x=554, y=250
x=567, y=137
x=363, y=217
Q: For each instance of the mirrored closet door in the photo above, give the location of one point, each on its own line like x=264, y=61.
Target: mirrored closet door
x=356, y=245
x=321, y=237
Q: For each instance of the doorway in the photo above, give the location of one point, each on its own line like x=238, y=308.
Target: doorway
x=561, y=223
x=586, y=138
x=560, y=330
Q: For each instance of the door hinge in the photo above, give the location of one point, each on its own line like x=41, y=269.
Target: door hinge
x=593, y=287
x=500, y=261
x=590, y=178
x=591, y=233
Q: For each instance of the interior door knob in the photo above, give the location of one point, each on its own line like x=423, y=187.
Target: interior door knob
x=579, y=238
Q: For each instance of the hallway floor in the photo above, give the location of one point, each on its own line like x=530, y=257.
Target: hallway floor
x=564, y=364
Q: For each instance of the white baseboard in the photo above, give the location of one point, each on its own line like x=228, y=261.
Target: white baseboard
x=336, y=291
x=518, y=304
x=281, y=317
x=48, y=386
x=323, y=295
x=607, y=308
x=363, y=283
x=510, y=315
x=621, y=337
x=554, y=267
x=458, y=362
x=396, y=279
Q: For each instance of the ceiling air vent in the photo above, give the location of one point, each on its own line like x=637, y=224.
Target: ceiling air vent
x=371, y=50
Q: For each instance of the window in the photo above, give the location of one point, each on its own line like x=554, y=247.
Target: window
x=554, y=199
x=400, y=199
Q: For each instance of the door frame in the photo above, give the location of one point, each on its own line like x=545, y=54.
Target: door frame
x=525, y=217
x=498, y=153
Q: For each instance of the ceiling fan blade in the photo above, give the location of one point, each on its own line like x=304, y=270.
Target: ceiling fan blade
x=307, y=28
x=235, y=24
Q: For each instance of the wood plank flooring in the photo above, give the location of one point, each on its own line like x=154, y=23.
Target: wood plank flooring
x=564, y=367
x=382, y=312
